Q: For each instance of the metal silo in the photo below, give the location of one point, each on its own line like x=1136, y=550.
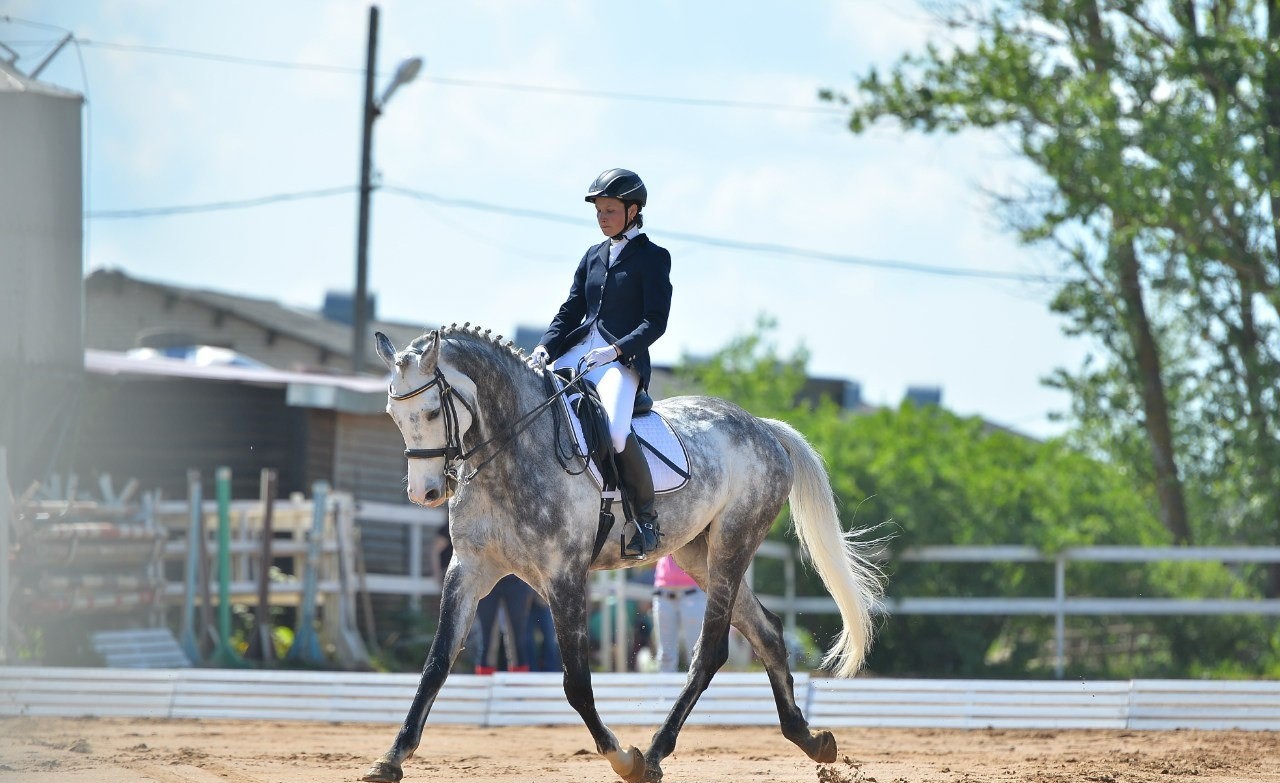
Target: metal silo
x=41, y=273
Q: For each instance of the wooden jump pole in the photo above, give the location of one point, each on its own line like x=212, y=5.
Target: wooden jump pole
x=260, y=646
x=306, y=644
x=195, y=531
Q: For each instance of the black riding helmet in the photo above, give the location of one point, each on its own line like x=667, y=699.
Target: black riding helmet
x=621, y=184
x=625, y=186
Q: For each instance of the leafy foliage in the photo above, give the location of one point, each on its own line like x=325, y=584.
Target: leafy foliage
x=930, y=477
x=1156, y=131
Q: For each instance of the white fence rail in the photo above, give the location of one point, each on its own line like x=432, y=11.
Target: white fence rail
x=1060, y=605
x=632, y=699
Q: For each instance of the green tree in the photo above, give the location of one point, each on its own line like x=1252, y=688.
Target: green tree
x=929, y=477
x=1156, y=127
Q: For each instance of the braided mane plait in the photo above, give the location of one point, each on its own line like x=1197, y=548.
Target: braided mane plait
x=476, y=334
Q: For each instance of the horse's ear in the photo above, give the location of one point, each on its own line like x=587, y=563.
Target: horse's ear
x=386, y=350
x=430, y=356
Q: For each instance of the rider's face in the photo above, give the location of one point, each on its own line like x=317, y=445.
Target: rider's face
x=611, y=214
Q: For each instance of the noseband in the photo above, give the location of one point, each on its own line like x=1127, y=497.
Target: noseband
x=453, y=452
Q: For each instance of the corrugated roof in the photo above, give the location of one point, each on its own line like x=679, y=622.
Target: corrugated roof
x=306, y=326
x=348, y=393
x=114, y=363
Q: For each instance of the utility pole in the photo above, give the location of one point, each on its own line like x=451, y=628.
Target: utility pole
x=360, y=311
x=406, y=72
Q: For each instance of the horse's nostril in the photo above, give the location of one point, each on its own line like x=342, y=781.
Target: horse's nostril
x=432, y=495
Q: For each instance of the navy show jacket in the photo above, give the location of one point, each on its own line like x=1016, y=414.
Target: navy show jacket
x=629, y=302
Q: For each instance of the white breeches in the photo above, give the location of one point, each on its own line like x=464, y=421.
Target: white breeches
x=677, y=617
x=616, y=384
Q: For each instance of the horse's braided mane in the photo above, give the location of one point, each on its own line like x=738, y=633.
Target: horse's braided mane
x=477, y=336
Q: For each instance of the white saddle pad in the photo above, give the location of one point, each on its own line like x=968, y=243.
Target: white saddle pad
x=655, y=434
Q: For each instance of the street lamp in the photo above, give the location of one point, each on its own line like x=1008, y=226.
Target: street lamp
x=405, y=73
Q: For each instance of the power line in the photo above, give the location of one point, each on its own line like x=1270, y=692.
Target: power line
x=625, y=96
x=169, y=51
x=481, y=83
x=732, y=244
x=534, y=214
x=188, y=209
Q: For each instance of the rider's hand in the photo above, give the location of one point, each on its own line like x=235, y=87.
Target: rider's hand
x=541, y=355
x=601, y=356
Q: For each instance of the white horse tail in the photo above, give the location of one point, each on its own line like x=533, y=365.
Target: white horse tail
x=853, y=581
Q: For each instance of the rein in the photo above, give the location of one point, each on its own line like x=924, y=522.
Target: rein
x=453, y=452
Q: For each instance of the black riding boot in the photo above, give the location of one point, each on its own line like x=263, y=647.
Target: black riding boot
x=637, y=482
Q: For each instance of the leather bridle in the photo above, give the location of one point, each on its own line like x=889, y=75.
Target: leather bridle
x=453, y=451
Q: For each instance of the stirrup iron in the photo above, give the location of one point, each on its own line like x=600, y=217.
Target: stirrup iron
x=643, y=541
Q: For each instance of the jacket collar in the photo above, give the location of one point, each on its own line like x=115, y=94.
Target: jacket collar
x=602, y=250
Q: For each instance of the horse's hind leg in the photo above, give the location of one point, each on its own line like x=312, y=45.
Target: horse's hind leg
x=568, y=601
x=764, y=630
x=712, y=649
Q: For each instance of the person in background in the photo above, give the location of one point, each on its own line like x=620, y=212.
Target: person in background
x=678, y=606
x=641, y=655
x=515, y=598
x=442, y=552
x=544, y=650
x=520, y=605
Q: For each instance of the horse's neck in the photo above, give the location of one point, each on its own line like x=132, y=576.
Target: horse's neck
x=505, y=391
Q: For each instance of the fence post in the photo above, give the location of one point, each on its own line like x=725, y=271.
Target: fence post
x=789, y=590
x=195, y=530
x=621, y=621
x=306, y=645
x=415, y=566
x=1060, y=613
x=261, y=646
x=224, y=653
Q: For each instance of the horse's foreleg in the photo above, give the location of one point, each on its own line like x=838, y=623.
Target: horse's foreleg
x=763, y=630
x=457, y=610
x=569, y=612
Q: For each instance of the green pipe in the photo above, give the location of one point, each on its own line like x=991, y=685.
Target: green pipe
x=224, y=655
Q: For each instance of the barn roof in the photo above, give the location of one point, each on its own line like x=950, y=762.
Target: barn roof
x=306, y=326
x=346, y=393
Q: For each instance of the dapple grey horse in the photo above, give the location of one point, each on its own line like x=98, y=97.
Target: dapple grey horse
x=479, y=437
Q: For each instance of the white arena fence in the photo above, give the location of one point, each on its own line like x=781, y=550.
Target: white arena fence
x=734, y=699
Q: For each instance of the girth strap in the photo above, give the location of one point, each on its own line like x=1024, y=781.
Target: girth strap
x=684, y=474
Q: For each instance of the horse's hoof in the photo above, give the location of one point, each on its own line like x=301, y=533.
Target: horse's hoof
x=629, y=765
x=824, y=747
x=383, y=772
x=653, y=772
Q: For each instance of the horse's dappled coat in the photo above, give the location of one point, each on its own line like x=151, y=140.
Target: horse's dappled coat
x=523, y=513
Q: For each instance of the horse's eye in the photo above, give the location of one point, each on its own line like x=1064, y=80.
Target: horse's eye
x=433, y=415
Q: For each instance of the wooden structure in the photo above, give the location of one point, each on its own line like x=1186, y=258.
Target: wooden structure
x=154, y=419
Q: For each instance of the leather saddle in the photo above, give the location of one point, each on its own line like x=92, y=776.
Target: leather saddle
x=643, y=403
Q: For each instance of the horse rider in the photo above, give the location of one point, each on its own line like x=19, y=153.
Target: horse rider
x=617, y=307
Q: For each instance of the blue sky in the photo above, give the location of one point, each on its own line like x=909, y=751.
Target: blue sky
x=166, y=130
